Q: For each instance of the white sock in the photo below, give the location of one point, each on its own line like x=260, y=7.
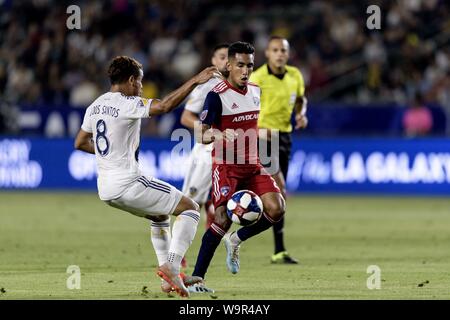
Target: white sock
x=161, y=238
x=183, y=232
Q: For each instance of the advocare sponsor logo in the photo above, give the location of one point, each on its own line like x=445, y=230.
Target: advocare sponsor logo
x=246, y=117
x=16, y=168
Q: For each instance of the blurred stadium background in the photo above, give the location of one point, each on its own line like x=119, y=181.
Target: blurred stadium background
x=379, y=100
x=371, y=92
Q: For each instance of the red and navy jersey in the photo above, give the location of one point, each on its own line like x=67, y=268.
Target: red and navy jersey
x=226, y=107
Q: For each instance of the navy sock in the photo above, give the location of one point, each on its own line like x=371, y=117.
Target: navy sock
x=210, y=242
x=247, y=232
x=278, y=235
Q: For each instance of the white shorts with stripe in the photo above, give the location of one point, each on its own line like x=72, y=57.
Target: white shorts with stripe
x=197, y=182
x=148, y=196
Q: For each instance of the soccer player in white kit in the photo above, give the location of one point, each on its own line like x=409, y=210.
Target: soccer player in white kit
x=197, y=182
x=111, y=131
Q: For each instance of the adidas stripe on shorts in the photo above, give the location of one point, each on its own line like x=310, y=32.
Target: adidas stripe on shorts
x=148, y=196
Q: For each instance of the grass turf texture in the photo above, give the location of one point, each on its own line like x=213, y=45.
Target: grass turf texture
x=335, y=238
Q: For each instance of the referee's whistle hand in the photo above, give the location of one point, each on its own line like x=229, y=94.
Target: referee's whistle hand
x=301, y=121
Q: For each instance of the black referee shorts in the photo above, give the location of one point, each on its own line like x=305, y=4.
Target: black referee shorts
x=284, y=154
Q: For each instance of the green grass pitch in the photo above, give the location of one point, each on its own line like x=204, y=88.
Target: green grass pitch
x=336, y=239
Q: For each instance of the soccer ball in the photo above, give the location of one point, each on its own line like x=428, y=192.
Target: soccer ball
x=244, y=207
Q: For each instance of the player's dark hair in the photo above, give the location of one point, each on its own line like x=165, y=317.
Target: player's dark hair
x=121, y=68
x=220, y=46
x=240, y=47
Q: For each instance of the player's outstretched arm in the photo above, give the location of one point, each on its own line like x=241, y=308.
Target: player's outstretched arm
x=173, y=99
x=84, y=142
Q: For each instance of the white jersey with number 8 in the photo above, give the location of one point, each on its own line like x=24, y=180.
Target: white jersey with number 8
x=115, y=123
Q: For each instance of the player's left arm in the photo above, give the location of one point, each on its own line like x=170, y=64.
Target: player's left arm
x=301, y=105
x=210, y=115
x=84, y=142
x=173, y=99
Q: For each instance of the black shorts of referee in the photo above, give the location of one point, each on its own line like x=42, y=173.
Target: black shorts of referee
x=280, y=161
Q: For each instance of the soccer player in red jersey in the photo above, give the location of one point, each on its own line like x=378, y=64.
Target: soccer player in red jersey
x=229, y=120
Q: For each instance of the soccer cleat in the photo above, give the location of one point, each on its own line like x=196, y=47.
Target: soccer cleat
x=232, y=254
x=283, y=257
x=174, y=280
x=187, y=281
x=190, y=280
x=166, y=287
x=199, y=287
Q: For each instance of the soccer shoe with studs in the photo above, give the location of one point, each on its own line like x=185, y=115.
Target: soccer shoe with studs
x=283, y=258
x=187, y=281
x=232, y=254
x=199, y=287
x=173, y=279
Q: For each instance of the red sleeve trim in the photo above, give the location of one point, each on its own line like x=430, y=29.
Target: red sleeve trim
x=220, y=87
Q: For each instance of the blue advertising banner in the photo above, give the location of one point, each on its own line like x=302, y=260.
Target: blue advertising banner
x=379, y=166
x=324, y=120
x=386, y=166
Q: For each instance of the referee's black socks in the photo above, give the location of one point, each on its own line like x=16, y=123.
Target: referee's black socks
x=278, y=236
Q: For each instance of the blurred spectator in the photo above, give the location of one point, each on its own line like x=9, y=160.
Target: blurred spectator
x=186, y=61
x=417, y=120
x=318, y=76
x=84, y=94
x=41, y=61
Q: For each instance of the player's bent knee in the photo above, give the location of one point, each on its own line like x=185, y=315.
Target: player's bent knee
x=225, y=224
x=275, y=209
x=221, y=219
x=160, y=218
x=186, y=204
x=194, y=206
x=276, y=213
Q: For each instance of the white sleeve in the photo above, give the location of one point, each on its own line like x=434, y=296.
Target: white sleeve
x=137, y=108
x=86, y=125
x=197, y=99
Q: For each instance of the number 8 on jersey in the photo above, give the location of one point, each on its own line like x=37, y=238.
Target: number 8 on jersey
x=101, y=141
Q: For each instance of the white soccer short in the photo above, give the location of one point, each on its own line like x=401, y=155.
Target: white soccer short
x=148, y=196
x=198, y=181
